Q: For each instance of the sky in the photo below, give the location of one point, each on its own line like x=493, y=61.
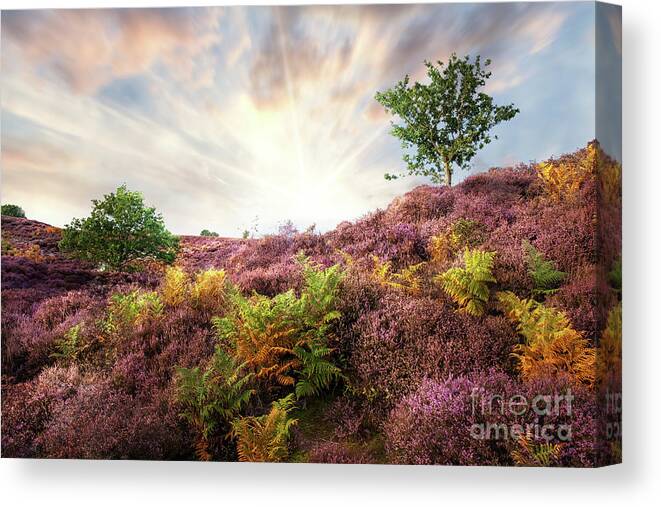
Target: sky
x=236, y=118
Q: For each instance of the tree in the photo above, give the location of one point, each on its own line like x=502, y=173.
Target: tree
x=12, y=210
x=121, y=229
x=207, y=232
x=445, y=121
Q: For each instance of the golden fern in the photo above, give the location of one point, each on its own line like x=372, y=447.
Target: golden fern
x=610, y=346
x=440, y=248
x=174, y=287
x=568, y=352
x=407, y=280
x=609, y=172
x=269, y=351
x=530, y=454
x=462, y=233
x=209, y=292
x=284, y=339
x=265, y=438
x=551, y=345
x=563, y=179
x=534, y=321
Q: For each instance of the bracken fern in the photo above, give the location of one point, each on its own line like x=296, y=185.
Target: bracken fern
x=610, y=346
x=468, y=286
x=212, y=397
x=265, y=438
x=407, y=280
x=531, y=454
x=131, y=309
x=563, y=180
x=551, y=345
x=174, y=288
x=542, y=271
x=209, y=292
x=69, y=347
x=284, y=338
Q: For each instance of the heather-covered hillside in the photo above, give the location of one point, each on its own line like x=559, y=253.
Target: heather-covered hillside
x=431, y=312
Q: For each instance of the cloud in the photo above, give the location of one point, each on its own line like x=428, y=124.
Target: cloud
x=289, y=55
x=381, y=43
x=87, y=49
x=34, y=155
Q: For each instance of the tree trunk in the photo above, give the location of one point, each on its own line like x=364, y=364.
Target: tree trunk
x=448, y=174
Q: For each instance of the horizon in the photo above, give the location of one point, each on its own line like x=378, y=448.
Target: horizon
x=221, y=115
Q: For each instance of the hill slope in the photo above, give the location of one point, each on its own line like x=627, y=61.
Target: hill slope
x=401, y=343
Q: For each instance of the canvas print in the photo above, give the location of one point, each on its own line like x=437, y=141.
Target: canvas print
x=350, y=234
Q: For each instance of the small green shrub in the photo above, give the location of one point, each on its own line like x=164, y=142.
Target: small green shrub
x=12, y=210
x=207, y=232
x=468, y=286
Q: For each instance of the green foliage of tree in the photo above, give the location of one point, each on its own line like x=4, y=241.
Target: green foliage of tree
x=120, y=229
x=468, y=286
x=543, y=272
x=12, y=210
x=207, y=232
x=212, y=397
x=446, y=121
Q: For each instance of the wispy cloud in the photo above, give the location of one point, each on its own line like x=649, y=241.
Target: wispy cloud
x=89, y=48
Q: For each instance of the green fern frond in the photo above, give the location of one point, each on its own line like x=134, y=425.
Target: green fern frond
x=543, y=272
x=212, y=397
x=468, y=286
